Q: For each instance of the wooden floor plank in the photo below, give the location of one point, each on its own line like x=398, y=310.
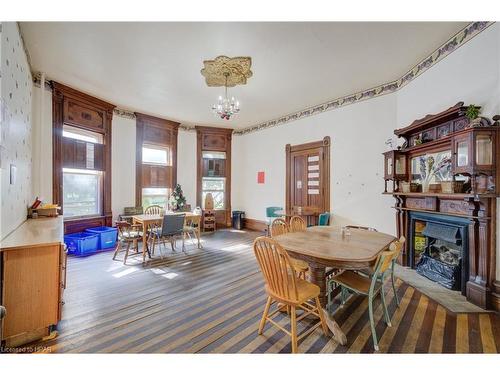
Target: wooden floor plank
x=416, y=325
x=475, y=343
x=425, y=334
x=210, y=301
x=462, y=336
x=437, y=333
x=405, y=324
x=487, y=339
x=450, y=333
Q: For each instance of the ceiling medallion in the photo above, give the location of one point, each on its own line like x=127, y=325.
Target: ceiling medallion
x=226, y=72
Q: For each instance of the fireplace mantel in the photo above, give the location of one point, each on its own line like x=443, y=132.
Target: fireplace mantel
x=471, y=146
x=481, y=211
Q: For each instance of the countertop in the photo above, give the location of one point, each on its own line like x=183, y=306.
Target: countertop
x=35, y=232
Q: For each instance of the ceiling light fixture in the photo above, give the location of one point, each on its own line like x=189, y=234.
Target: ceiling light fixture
x=228, y=72
x=225, y=107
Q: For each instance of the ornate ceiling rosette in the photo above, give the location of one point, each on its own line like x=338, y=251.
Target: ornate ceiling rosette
x=227, y=71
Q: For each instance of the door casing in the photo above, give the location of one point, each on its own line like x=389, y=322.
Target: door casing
x=323, y=149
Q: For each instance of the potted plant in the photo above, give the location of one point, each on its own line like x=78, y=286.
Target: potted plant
x=177, y=199
x=472, y=113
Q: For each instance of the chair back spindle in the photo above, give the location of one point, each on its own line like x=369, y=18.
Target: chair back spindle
x=153, y=210
x=274, y=262
x=297, y=224
x=279, y=226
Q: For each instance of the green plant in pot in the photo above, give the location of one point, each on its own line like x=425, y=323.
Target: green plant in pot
x=177, y=199
x=473, y=114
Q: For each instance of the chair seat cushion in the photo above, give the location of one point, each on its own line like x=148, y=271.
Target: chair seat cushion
x=353, y=280
x=299, y=265
x=132, y=235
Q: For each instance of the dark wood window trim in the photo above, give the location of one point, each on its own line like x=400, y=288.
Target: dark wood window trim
x=74, y=108
x=144, y=121
x=214, y=139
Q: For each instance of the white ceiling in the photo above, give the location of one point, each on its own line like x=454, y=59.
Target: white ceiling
x=154, y=68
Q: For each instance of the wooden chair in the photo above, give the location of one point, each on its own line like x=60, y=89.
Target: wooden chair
x=153, y=210
x=283, y=286
x=330, y=271
x=399, y=247
x=192, y=226
x=278, y=227
x=370, y=285
x=297, y=224
x=127, y=234
x=153, y=229
x=271, y=215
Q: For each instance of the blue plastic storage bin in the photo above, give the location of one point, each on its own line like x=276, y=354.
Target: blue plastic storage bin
x=107, y=236
x=81, y=244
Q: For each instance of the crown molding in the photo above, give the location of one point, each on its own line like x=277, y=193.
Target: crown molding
x=124, y=113
x=452, y=44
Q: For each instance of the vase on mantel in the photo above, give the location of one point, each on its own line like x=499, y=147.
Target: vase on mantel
x=425, y=186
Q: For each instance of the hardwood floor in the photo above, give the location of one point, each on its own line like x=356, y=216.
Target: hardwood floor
x=211, y=300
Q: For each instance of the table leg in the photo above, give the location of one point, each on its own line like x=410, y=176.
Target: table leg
x=317, y=276
x=144, y=241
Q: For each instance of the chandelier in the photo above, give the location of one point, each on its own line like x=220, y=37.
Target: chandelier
x=225, y=107
x=228, y=72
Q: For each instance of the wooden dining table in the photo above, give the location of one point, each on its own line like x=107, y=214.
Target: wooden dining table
x=148, y=220
x=327, y=246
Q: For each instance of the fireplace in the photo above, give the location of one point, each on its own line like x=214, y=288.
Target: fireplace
x=438, y=248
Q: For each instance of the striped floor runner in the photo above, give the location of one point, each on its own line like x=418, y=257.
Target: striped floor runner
x=210, y=301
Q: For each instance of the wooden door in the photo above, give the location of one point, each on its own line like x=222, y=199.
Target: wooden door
x=308, y=177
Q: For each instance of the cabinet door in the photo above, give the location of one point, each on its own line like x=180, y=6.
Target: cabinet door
x=31, y=288
x=462, y=154
x=484, y=150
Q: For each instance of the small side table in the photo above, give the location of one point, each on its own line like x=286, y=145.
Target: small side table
x=209, y=221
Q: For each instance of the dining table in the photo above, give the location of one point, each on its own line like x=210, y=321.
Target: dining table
x=148, y=220
x=335, y=247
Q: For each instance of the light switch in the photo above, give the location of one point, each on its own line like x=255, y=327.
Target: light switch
x=13, y=171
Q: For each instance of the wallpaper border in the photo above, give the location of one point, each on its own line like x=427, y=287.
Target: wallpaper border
x=452, y=44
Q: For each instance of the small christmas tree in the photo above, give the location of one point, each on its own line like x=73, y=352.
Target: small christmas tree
x=177, y=199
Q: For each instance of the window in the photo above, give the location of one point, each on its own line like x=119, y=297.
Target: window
x=216, y=186
x=155, y=155
x=81, y=192
x=213, y=155
x=82, y=135
x=155, y=196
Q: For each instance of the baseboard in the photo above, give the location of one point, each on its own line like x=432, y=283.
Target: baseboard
x=253, y=224
x=495, y=296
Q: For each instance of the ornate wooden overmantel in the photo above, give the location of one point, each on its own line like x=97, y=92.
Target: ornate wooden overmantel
x=449, y=130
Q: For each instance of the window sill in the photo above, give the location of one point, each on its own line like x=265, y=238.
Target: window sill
x=83, y=218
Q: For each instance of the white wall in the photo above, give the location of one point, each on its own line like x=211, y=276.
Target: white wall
x=122, y=164
x=357, y=133
x=186, y=165
x=470, y=74
x=42, y=145
x=16, y=129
